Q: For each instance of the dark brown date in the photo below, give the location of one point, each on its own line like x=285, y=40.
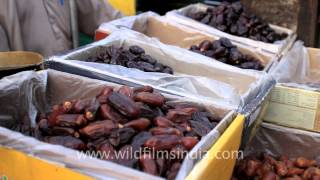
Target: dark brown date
x=179, y=152
x=138, y=124
x=199, y=128
x=56, y=111
x=127, y=159
x=163, y=122
x=71, y=120
x=78, y=106
x=173, y=171
x=121, y=136
x=125, y=90
x=143, y=89
x=102, y=97
x=148, y=164
x=67, y=141
x=91, y=109
x=270, y=176
x=189, y=142
x=161, y=165
x=151, y=99
x=106, y=112
x=140, y=139
x=108, y=152
x=99, y=128
x=124, y=105
x=146, y=111
x=162, y=142
x=63, y=131
x=178, y=116
x=168, y=130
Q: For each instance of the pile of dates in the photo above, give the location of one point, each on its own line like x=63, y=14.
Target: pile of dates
x=134, y=57
x=269, y=168
x=125, y=121
x=234, y=19
x=224, y=51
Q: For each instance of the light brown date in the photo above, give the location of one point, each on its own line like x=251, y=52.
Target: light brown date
x=139, y=124
x=99, y=128
x=152, y=99
x=162, y=142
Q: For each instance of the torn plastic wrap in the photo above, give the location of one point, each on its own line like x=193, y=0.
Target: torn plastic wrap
x=299, y=68
x=179, y=16
x=195, y=76
x=278, y=140
x=38, y=91
x=168, y=32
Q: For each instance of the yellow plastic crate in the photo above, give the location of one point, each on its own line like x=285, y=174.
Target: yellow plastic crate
x=127, y=7
x=212, y=166
x=19, y=166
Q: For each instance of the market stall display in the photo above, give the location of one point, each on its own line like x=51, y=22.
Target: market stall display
x=163, y=97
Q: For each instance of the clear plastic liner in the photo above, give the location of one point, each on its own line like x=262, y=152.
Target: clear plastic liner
x=195, y=76
x=26, y=92
x=278, y=140
x=180, y=16
x=300, y=67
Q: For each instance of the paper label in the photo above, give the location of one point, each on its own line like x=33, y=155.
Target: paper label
x=295, y=97
x=291, y=116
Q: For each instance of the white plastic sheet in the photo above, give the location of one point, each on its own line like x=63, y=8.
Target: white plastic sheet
x=278, y=140
x=299, y=68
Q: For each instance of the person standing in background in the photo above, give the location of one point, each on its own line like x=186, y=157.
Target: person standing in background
x=44, y=26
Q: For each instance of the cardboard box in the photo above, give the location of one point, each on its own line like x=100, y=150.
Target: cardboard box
x=294, y=107
x=298, y=104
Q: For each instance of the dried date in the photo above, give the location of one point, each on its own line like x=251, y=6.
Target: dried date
x=139, y=124
x=148, y=164
x=67, y=141
x=162, y=142
x=124, y=104
x=151, y=99
x=71, y=120
x=99, y=128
